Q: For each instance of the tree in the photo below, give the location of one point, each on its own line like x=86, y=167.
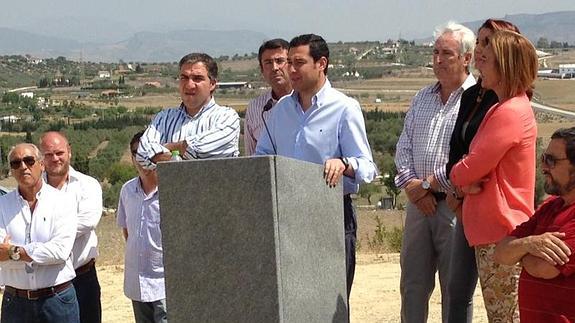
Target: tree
x=542, y=42
x=367, y=191
x=386, y=166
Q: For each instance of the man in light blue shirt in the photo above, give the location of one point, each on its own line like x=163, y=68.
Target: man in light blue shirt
x=319, y=124
x=139, y=217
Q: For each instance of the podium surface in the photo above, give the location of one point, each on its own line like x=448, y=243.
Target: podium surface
x=252, y=239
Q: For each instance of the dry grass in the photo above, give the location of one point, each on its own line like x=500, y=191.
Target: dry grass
x=559, y=93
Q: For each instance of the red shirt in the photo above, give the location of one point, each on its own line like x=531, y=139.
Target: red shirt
x=549, y=300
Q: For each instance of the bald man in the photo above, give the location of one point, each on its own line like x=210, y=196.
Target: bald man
x=87, y=191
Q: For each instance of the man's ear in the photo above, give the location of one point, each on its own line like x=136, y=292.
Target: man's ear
x=322, y=61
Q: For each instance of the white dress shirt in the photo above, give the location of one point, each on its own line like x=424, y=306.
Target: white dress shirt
x=88, y=196
x=144, y=263
x=47, y=235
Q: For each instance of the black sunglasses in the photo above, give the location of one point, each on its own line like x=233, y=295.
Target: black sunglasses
x=28, y=160
x=550, y=160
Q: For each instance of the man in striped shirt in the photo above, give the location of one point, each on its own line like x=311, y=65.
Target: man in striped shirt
x=272, y=56
x=199, y=128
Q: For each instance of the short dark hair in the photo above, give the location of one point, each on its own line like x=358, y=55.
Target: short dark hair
x=272, y=44
x=204, y=58
x=317, y=46
x=568, y=135
x=135, y=142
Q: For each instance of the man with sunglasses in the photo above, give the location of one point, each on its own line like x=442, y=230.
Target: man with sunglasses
x=544, y=244
x=87, y=194
x=37, y=229
x=199, y=128
x=272, y=56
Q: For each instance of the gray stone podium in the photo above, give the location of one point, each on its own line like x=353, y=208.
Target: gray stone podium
x=257, y=239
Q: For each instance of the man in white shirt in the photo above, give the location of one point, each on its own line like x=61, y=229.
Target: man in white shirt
x=139, y=217
x=272, y=57
x=37, y=227
x=87, y=195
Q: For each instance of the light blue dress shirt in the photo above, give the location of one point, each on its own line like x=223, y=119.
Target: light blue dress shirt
x=144, y=263
x=332, y=127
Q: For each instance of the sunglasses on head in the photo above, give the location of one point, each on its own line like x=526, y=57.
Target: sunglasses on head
x=28, y=160
x=550, y=160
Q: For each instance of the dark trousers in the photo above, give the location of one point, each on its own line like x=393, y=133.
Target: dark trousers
x=150, y=312
x=463, y=278
x=350, y=225
x=88, y=293
x=62, y=307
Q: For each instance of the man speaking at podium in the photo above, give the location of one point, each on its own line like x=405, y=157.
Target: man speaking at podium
x=319, y=124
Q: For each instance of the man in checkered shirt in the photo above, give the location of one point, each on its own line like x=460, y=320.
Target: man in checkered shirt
x=421, y=155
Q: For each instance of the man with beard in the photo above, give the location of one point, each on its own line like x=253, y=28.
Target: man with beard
x=272, y=56
x=87, y=194
x=543, y=245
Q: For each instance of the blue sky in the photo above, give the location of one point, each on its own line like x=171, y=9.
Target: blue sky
x=335, y=19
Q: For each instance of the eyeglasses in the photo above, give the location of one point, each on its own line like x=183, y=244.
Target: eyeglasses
x=28, y=160
x=550, y=160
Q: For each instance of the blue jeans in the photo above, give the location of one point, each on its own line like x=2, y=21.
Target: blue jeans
x=62, y=307
x=88, y=293
x=150, y=312
x=463, y=278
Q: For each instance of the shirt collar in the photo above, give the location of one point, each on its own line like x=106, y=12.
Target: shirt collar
x=469, y=82
x=73, y=176
x=138, y=189
x=318, y=98
x=205, y=108
x=38, y=194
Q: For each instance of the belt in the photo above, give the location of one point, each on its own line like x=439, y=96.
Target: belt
x=86, y=267
x=33, y=295
x=439, y=196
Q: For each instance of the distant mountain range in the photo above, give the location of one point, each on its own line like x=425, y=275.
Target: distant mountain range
x=162, y=46
x=141, y=47
x=558, y=26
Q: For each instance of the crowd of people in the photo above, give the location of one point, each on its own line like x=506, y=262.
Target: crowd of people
x=466, y=160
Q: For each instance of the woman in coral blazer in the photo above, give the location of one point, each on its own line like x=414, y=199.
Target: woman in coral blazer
x=498, y=174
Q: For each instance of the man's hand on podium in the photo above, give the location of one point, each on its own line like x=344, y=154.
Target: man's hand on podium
x=332, y=171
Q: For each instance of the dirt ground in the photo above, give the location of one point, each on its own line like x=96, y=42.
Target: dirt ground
x=375, y=296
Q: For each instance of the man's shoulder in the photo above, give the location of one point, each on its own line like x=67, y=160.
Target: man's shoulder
x=428, y=90
x=260, y=100
x=170, y=112
x=333, y=95
x=223, y=110
x=130, y=186
x=84, y=178
x=8, y=198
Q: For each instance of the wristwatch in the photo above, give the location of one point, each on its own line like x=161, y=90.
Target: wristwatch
x=345, y=162
x=14, y=253
x=425, y=184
